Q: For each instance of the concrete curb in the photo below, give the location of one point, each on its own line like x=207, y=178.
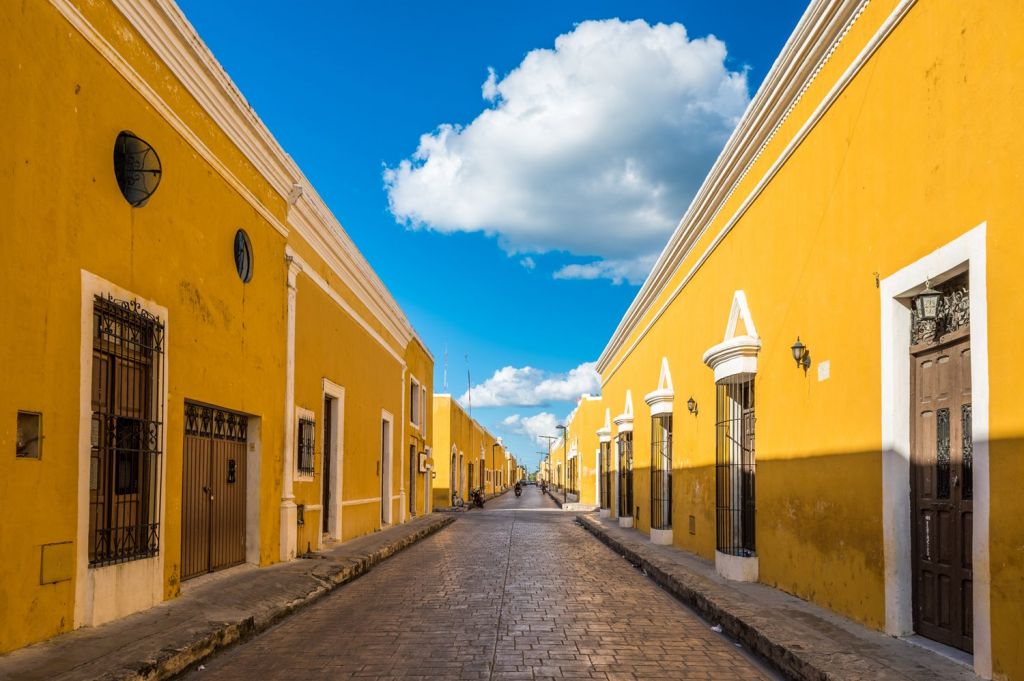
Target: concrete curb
x=329, y=575
x=804, y=650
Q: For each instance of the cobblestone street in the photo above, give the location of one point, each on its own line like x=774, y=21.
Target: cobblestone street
x=500, y=594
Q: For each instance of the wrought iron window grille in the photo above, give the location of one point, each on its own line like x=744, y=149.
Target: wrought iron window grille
x=625, y=474
x=307, y=429
x=125, y=472
x=735, y=469
x=243, y=256
x=606, y=474
x=137, y=168
x=661, y=472
x=954, y=312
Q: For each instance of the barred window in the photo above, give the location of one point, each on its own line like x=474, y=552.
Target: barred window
x=126, y=433
x=734, y=469
x=661, y=472
x=307, y=430
x=626, y=474
x=606, y=474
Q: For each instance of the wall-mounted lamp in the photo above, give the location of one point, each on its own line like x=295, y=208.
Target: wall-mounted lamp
x=801, y=355
x=691, y=406
x=927, y=302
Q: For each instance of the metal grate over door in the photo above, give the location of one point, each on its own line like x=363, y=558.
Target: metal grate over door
x=735, y=469
x=213, y=490
x=661, y=472
x=626, y=474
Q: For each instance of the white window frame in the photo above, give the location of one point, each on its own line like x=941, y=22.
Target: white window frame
x=301, y=413
x=415, y=408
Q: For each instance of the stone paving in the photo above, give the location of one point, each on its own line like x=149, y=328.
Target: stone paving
x=213, y=611
x=514, y=591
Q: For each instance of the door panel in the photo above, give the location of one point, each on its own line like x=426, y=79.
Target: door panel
x=213, y=490
x=941, y=508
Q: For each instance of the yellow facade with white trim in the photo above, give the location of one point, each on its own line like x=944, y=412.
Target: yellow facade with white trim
x=79, y=73
x=882, y=148
x=466, y=456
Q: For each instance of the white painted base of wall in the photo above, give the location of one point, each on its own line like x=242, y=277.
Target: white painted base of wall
x=289, y=530
x=736, y=568
x=116, y=591
x=604, y=513
x=662, y=537
x=626, y=521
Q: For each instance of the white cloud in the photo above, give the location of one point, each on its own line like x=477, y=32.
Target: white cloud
x=528, y=263
x=534, y=427
x=594, y=147
x=634, y=271
x=530, y=387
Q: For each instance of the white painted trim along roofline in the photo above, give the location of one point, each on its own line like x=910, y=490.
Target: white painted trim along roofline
x=894, y=291
x=822, y=28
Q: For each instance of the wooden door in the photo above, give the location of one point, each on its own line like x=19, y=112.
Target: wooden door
x=213, y=490
x=942, y=492
x=325, y=471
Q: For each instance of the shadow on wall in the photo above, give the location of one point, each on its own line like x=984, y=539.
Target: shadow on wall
x=819, y=530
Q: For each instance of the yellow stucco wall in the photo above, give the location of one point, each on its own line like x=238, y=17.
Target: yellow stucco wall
x=226, y=341
x=582, y=430
x=453, y=426
x=921, y=147
x=66, y=214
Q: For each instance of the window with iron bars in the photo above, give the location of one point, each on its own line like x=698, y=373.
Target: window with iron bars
x=661, y=472
x=626, y=474
x=307, y=434
x=735, y=469
x=606, y=474
x=126, y=437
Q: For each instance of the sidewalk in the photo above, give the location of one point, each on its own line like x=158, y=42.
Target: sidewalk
x=213, y=612
x=802, y=640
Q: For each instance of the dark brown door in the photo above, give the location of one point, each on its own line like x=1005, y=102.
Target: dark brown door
x=942, y=492
x=326, y=470
x=213, y=490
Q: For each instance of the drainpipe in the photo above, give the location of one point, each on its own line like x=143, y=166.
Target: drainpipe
x=289, y=528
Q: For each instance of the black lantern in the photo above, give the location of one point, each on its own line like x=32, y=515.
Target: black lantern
x=136, y=167
x=691, y=406
x=927, y=302
x=800, y=354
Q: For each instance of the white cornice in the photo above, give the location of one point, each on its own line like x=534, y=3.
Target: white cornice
x=813, y=41
x=173, y=39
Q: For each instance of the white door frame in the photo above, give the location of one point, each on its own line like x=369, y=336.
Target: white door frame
x=386, y=461
x=896, y=291
x=335, y=448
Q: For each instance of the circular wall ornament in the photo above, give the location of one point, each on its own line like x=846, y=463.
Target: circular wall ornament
x=243, y=256
x=136, y=167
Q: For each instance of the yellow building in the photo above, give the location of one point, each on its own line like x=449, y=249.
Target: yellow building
x=201, y=368
x=581, y=460
x=466, y=456
x=879, y=162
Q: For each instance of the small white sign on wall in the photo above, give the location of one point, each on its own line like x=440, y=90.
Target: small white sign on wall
x=824, y=370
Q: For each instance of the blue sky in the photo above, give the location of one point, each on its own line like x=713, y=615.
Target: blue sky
x=571, y=166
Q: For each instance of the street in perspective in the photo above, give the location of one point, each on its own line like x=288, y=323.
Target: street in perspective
x=490, y=597
x=598, y=339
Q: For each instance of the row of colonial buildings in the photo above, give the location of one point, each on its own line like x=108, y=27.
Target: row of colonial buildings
x=814, y=388
x=202, y=370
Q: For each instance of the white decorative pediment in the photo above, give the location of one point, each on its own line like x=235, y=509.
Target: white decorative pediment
x=624, y=421
x=604, y=433
x=660, y=400
x=735, y=358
